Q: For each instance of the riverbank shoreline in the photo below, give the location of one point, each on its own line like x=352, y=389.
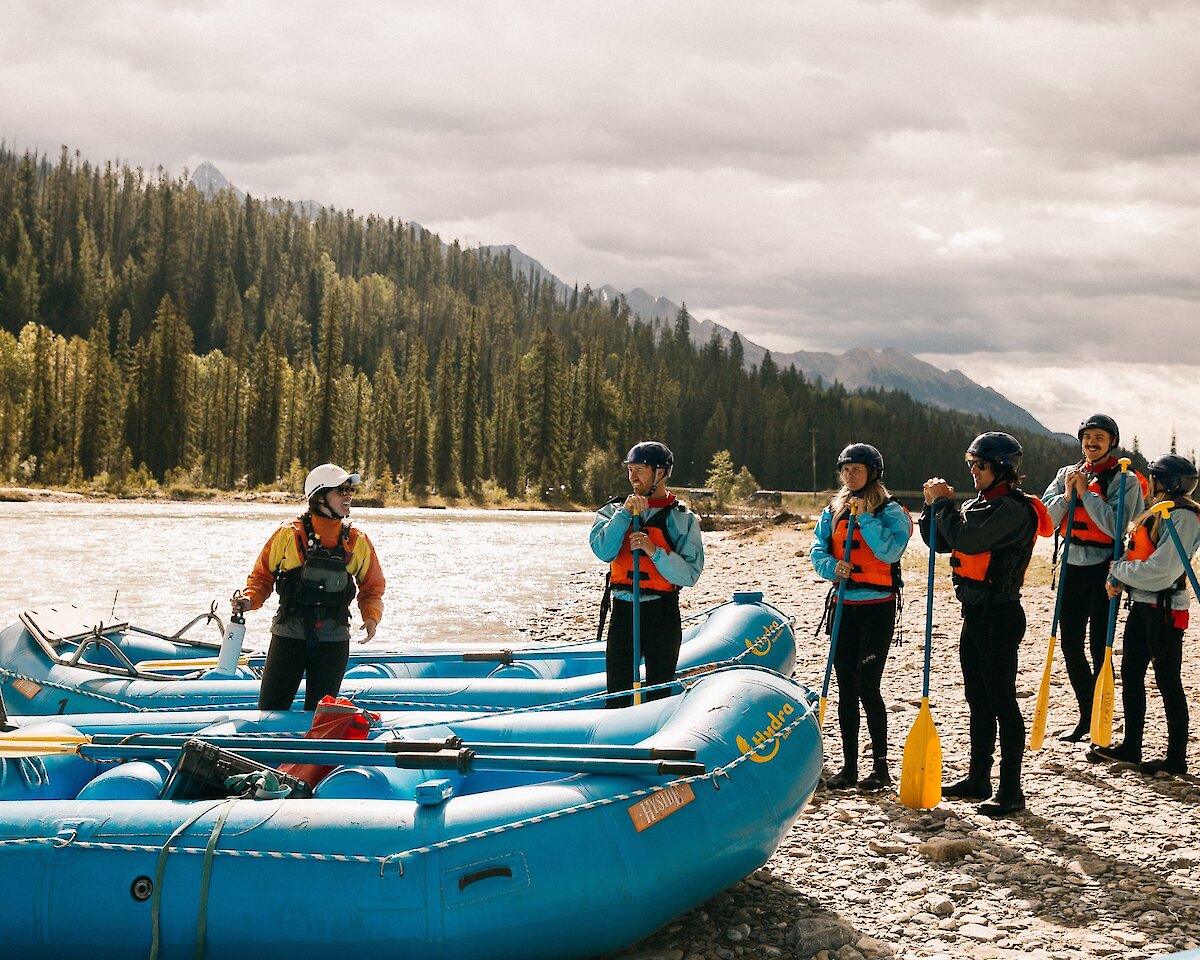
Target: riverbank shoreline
x=1105, y=862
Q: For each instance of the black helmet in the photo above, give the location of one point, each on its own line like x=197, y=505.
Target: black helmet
x=1101, y=421
x=1176, y=475
x=1001, y=448
x=862, y=453
x=653, y=454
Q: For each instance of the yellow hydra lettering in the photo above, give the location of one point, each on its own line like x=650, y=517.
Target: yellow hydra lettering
x=762, y=646
x=769, y=733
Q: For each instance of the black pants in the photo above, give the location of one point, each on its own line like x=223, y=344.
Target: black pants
x=1150, y=638
x=323, y=664
x=864, y=638
x=987, y=652
x=661, y=635
x=1084, y=611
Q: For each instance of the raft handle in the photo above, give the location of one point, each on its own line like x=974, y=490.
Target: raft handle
x=469, y=878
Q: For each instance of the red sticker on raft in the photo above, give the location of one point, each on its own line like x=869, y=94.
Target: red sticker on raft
x=660, y=805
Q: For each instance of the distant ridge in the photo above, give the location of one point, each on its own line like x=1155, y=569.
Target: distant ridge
x=856, y=369
x=210, y=181
x=859, y=368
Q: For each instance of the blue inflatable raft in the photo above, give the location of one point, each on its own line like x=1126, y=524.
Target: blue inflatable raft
x=63, y=660
x=546, y=834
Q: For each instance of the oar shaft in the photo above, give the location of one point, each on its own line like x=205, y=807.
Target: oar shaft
x=241, y=744
x=463, y=760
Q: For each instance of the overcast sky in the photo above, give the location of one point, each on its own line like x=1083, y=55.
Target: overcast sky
x=1011, y=188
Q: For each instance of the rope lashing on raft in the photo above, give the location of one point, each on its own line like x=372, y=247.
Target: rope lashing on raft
x=31, y=769
x=6, y=673
x=398, y=858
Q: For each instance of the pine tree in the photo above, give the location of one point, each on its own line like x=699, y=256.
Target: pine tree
x=445, y=425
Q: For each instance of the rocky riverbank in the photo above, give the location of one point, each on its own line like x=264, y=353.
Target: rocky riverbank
x=1106, y=862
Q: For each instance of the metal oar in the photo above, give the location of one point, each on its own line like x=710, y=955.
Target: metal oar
x=462, y=759
x=18, y=744
x=471, y=656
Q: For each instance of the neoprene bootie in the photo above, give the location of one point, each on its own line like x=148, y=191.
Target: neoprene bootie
x=1116, y=753
x=1080, y=731
x=879, y=778
x=846, y=780
x=1176, y=768
x=976, y=785
x=1005, y=802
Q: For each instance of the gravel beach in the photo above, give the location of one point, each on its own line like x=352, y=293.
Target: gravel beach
x=1105, y=862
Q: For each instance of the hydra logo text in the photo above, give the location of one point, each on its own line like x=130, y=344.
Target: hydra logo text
x=762, y=646
x=768, y=733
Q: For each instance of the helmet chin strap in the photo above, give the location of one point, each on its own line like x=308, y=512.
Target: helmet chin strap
x=325, y=510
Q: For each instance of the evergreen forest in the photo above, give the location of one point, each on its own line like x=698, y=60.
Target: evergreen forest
x=149, y=330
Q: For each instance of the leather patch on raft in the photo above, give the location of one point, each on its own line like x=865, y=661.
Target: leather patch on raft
x=660, y=805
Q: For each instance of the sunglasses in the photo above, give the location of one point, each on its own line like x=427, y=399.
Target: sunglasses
x=346, y=490
x=978, y=466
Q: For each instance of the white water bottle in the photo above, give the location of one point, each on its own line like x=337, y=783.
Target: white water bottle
x=231, y=646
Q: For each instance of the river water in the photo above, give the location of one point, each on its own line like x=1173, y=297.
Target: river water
x=452, y=575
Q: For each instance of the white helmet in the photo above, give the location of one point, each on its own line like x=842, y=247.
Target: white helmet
x=326, y=477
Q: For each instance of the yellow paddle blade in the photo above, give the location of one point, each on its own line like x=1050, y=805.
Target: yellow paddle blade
x=921, y=769
x=17, y=746
x=199, y=663
x=1102, y=703
x=821, y=715
x=1037, y=733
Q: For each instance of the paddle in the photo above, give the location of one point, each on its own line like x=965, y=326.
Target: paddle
x=637, y=617
x=837, y=614
x=1102, y=699
x=1037, y=732
x=478, y=656
x=921, y=767
x=462, y=759
x=1165, y=508
x=17, y=743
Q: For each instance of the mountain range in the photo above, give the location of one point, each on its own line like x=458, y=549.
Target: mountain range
x=888, y=369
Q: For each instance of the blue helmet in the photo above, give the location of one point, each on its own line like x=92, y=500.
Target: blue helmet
x=653, y=454
x=1174, y=474
x=1101, y=421
x=1002, y=449
x=865, y=454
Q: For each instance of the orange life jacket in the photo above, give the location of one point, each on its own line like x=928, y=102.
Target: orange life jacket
x=866, y=568
x=621, y=569
x=1082, y=528
x=1142, y=543
x=1000, y=568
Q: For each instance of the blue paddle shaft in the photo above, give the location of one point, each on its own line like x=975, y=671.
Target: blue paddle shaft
x=1118, y=541
x=1183, y=555
x=929, y=602
x=1062, y=569
x=637, y=610
x=837, y=612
